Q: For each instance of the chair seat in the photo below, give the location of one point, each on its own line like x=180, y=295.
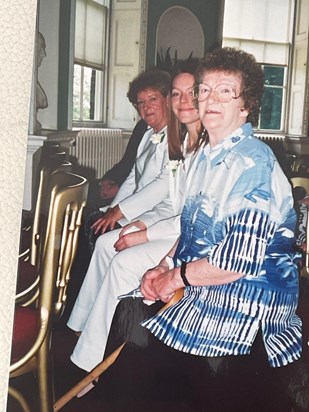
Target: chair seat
x=27, y=274
x=25, y=331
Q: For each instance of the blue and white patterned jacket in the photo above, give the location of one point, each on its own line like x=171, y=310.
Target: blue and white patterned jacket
x=241, y=219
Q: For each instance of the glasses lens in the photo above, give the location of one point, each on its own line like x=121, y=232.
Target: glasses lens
x=201, y=92
x=225, y=93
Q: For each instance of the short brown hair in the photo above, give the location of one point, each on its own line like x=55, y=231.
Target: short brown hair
x=151, y=78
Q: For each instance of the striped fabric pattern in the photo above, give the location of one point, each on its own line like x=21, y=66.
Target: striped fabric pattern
x=249, y=232
x=241, y=219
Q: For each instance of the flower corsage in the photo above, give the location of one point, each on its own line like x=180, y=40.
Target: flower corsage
x=172, y=166
x=157, y=138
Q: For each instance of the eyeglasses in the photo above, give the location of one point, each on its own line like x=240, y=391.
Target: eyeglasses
x=224, y=92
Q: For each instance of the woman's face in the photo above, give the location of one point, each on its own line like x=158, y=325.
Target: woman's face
x=182, y=99
x=153, y=108
x=221, y=118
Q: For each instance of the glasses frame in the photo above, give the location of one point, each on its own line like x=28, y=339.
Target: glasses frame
x=198, y=100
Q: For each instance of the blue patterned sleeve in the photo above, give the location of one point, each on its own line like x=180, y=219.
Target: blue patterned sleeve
x=243, y=248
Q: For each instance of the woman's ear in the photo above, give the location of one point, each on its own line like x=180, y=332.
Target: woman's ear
x=244, y=112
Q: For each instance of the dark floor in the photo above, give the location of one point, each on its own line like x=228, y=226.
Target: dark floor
x=66, y=375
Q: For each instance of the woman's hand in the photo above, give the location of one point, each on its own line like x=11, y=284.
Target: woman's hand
x=133, y=226
x=160, y=283
x=131, y=239
x=109, y=220
x=147, y=288
x=132, y=234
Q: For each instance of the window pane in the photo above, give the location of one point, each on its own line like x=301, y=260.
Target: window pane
x=87, y=94
x=274, y=76
x=90, y=33
x=271, y=109
x=76, y=91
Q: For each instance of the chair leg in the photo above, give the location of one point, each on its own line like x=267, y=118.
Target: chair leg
x=45, y=380
x=19, y=398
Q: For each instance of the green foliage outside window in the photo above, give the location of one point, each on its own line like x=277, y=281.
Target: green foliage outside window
x=83, y=93
x=272, y=104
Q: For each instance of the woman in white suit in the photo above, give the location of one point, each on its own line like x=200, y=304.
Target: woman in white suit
x=122, y=256
x=149, y=94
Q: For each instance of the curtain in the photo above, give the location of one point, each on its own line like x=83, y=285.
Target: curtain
x=90, y=32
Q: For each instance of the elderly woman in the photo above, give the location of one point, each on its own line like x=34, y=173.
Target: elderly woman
x=235, y=259
x=149, y=94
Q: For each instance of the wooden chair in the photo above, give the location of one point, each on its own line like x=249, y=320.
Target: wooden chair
x=33, y=325
x=304, y=183
x=29, y=262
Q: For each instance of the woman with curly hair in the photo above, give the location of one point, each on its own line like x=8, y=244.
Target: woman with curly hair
x=219, y=348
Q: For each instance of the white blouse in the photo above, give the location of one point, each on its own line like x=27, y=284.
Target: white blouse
x=165, y=217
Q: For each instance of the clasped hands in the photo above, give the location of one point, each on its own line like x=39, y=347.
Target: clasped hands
x=160, y=283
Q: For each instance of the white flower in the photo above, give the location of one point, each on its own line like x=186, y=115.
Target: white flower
x=157, y=138
x=172, y=166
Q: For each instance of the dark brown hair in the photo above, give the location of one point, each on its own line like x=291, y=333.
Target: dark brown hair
x=151, y=78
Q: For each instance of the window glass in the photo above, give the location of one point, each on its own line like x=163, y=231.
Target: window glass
x=270, y=43
x=87, y=94
x=271, y=111
x=274, y=76
x=91, y=40
x=77, y=92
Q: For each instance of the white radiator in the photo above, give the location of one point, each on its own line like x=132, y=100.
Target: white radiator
x=94, y=149
x=266, y=137
x=98, y=149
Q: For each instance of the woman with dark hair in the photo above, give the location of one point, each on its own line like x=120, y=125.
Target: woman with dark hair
x=149, y=94
x=121, y=257
x=221, y=346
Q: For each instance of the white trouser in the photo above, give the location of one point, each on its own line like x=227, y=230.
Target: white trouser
x=109, y=275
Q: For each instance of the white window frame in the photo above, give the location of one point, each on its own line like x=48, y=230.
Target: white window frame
x=284, y=99
x=99, y=105
x=101, y=79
